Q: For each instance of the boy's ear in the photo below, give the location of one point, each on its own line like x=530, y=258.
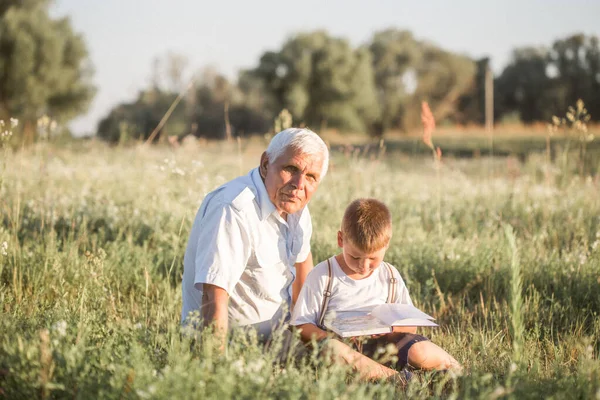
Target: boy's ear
x=340, y=239
x=264, y=163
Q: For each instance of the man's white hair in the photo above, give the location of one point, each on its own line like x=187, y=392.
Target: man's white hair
x=302, y=140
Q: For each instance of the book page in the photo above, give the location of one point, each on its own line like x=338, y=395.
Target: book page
x=415, y=322
x=394, y=314
x=353, y=325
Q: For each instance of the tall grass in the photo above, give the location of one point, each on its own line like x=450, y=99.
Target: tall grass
x=90, y=275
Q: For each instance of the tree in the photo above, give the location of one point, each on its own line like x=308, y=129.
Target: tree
x=576, y=62
x=137, y=120
x=44, y=66
x=321, y=80
x=540, y=82
x=471, y=105
x=408, y=71
x=395, y=55
x=523, y=85
x=202, y=114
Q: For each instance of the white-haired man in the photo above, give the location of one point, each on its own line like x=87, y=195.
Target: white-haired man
x=248, y=252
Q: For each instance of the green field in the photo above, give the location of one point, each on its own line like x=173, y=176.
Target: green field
x=91, y=251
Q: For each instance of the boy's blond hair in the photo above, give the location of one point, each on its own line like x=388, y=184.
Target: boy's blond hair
x=367, y=225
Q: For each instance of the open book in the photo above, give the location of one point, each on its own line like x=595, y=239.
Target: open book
x=381, y=319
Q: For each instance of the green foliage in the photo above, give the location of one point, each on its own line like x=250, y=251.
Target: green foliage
x=326, y=83
x=137, y=120
x=321, y=80
x=541, y=82
x=43, y=65
x=516, y=296
x=201, y=113
x=90, y=274
x=408, y=71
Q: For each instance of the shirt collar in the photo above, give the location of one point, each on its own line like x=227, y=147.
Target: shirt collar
x=264, y=202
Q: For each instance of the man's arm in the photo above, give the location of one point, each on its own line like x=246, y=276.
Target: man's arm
x=302, y=270
x=215, y=301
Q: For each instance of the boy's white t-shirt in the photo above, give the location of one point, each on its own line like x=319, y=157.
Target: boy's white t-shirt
x=348, y=296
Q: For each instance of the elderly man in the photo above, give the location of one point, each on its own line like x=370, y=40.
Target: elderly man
x=249, y=249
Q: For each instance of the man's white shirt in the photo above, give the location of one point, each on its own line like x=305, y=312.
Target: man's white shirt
x=348, y=296
x=240, y=243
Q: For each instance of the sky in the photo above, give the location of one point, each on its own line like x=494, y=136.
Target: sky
x=125, y=36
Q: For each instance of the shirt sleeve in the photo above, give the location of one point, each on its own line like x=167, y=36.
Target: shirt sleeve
x=306, y=229
x=223, y=248
x=403, y=295
x=308, y=304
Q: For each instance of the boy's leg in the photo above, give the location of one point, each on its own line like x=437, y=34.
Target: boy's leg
x=429, y=356
x=367, y=368
x=415, y=351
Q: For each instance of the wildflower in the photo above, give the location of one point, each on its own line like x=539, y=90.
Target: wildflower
x=238, y=366
x=4, y=249
x=178, y=171
x=428, y=124
x=14, y=122
x=60, y=328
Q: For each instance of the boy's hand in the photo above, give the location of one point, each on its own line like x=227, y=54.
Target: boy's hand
x=378, y=335
x=404, y=329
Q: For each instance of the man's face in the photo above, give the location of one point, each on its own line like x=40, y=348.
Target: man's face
x=291, y=179
x=358, y=264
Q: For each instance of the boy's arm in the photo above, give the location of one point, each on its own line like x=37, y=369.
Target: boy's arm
x=310, y=331
x=402, y=298
x=302, y=270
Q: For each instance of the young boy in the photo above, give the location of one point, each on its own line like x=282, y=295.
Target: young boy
x=359, y=279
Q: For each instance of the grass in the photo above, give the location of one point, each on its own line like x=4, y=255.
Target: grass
x=95, y=236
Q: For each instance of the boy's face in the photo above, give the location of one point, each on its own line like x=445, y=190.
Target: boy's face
x=356, y=263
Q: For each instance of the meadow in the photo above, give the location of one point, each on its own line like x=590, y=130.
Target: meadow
x=504, y=251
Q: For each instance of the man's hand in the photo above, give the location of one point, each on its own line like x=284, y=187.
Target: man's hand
x=215, y=301
x=302, y=270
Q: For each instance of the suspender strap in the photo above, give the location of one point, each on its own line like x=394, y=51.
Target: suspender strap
x=326, y=295
x=393, y=281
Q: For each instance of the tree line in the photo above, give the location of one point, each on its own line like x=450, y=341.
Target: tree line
x=322, y=80
x=326, y=83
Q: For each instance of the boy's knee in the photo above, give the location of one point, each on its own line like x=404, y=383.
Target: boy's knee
x=427, y=355
x=417, y=353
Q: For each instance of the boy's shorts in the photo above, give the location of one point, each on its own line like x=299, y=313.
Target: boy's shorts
x=402, y=341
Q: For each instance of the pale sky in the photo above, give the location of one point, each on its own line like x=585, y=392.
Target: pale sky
x=124, y=36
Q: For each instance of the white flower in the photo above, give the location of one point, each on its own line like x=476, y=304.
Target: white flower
x=238, y=366
x=4, y=249
x=178, y=171
x=14, y=122
x=60, y=328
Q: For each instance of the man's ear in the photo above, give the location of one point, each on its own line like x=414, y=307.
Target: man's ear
x=264, y=164
x=340, y=239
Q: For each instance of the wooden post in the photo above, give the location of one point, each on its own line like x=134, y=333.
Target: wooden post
x=227, y=124
x=489, y=100
x=489, y=115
